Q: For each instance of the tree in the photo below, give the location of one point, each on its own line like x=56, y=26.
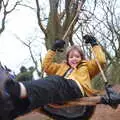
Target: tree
x=25, y=74
x=106, y=25
x=59, y=19
x=5, y=11
x=28, y=44
x=23, y=69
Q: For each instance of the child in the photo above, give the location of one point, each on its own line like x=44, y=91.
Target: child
x=65, y=81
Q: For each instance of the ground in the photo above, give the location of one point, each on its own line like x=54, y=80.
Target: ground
x=102, y=112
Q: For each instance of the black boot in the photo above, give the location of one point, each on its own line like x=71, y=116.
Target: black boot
x=11, y=105
x=4, y=76
x=6, y=103
x=112, y=98
x=6, y=106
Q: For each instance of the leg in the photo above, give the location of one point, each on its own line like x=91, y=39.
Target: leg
x=52, y=89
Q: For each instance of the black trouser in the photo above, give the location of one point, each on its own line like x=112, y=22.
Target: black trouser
x=51, y=89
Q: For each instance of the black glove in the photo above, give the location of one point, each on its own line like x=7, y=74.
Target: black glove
x=58, y=45
x=111, y=98
x=90, y=39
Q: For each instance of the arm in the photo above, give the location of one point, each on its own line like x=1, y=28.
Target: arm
x=92, y=64
x=49, y=66
x=99, y=55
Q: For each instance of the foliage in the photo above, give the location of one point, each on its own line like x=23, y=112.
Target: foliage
x=98, y=82
x=112, y=74
x=23, y=69
x=25, y=74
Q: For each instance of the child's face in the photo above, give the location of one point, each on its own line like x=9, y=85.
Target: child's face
x=74, y=58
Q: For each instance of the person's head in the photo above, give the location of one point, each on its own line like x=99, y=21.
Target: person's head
x=74, y=55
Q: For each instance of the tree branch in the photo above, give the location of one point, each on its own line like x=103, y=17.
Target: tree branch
x=5, y=13
x=38, y=18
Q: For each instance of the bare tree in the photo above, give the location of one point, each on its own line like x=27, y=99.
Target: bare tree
x=28, y=44
x=104, y=24
x=5, y=11
x=59, y=19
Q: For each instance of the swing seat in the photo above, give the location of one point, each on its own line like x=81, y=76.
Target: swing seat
x=68, y=113
x=79, y=109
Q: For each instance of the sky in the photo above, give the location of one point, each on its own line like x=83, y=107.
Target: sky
x=21, y=23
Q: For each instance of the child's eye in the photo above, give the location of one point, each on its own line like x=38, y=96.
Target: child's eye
x=71, y=57
x=77, y=56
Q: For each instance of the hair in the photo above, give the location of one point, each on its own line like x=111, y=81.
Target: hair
x=74, y=47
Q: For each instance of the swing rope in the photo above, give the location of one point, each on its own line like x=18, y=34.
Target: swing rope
x=80, y=4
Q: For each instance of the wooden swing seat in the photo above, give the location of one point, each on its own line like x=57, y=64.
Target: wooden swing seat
x=78, y=109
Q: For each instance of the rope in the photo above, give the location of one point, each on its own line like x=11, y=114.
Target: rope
x=78, y=10
x=100, y=68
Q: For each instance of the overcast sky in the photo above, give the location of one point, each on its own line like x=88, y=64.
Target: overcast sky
x=13, y=53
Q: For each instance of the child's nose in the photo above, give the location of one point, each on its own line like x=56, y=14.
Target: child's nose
x=74, y=57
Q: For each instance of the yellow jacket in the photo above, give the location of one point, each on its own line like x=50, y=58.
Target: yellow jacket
x=84, y=72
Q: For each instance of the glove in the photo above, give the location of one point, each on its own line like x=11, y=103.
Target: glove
x=90, y=39
x=111, y=98
x=58, y=45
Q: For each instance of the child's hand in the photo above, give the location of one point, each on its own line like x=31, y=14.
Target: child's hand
x=58, y=45
x=90, y=39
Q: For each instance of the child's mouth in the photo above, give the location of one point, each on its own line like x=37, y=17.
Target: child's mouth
x=74, y=62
